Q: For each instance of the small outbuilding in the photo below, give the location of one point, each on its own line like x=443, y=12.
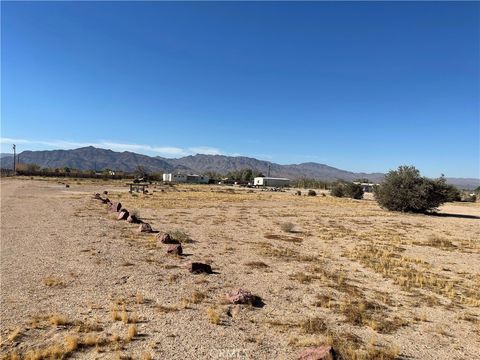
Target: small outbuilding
x=271, y=181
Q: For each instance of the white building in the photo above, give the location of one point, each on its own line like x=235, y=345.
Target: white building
x=367, y=187
x=181, y=178
x=271, y=181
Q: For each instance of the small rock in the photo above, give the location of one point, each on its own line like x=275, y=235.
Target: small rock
x=240, y=296
x=67, y=186
x=116, y=207
x=198, y=268
x=123, y=214
x=105, y=192
x=165, y=238
x=175, y=249
x=145, y=227
x=318, y=353
x=133, y=219
x=97, y=196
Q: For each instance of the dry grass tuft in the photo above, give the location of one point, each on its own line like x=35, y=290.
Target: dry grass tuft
x=166, y=309
x=71, y=343
x=314, y=325
x=139, y=298
x=180, y=235
x=53, y=281
x=132, y=332
x=14, y=334
x=213, y=316
x=197, y=297
x=57, y=320
x=256, y=264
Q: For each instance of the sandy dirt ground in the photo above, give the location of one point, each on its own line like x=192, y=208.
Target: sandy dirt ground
x=77, y=283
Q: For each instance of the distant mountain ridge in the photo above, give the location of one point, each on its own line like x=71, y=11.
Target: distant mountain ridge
x=91, y=158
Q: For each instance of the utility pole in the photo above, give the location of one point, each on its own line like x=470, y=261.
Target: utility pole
x=268, y=173
x=14, y=159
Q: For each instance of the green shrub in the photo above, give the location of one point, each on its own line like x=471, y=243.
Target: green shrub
x=347, y=189
x=452, y=193
x=405, y=190
x=353, y=191
x=312, y=193
x=338, y=190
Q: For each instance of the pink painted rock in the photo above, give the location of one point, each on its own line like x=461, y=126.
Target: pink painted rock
x=133, y=219
x=123, y=214
x=145, y=227
x=116, y=207
x=318, y=353
x=199, y=268
x=240, y=296
x=165, y=238
x=175, y=249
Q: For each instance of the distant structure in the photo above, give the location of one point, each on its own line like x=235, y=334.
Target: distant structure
x=189, y=179
x=367, y=187
x=271, y=181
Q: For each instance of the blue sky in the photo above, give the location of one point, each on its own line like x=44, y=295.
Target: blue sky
x=360, y=86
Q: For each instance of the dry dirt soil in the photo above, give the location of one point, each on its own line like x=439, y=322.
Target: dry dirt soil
x=77, y=283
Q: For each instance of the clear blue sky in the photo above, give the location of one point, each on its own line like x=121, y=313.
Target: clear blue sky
x=359, y=86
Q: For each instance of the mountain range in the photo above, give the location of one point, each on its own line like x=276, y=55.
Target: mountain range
x=88, y=158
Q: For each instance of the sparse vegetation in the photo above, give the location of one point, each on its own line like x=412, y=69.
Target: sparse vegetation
x=347, y=189
x=405, y=190
x=180, y=235
x=213, y=316
x=347, y=273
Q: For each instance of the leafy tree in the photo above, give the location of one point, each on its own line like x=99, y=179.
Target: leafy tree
x=338, y=189
x=244, y=175
x=452, y=193
x=347, y=189
x=310, y=184
x=405, y=190
x=353, y=191
x=33, y=167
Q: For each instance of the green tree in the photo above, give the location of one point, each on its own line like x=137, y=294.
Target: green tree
x=406, y=190
x=353, y=191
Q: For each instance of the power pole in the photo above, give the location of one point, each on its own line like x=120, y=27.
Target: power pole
x=14, y=159
x=268, y=173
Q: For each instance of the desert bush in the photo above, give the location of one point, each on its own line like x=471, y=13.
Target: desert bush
x=452, y=193
x=338, y=190
x=467, y=197
x=347, y=189
x=312, y=193
x=405, y=190
x=180, y=235
x=353, y=191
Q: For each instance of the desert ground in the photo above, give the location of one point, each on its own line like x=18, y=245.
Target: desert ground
x=78, y=283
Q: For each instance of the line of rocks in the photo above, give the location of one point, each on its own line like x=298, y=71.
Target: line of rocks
x=173, y=246
x=238, y=296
